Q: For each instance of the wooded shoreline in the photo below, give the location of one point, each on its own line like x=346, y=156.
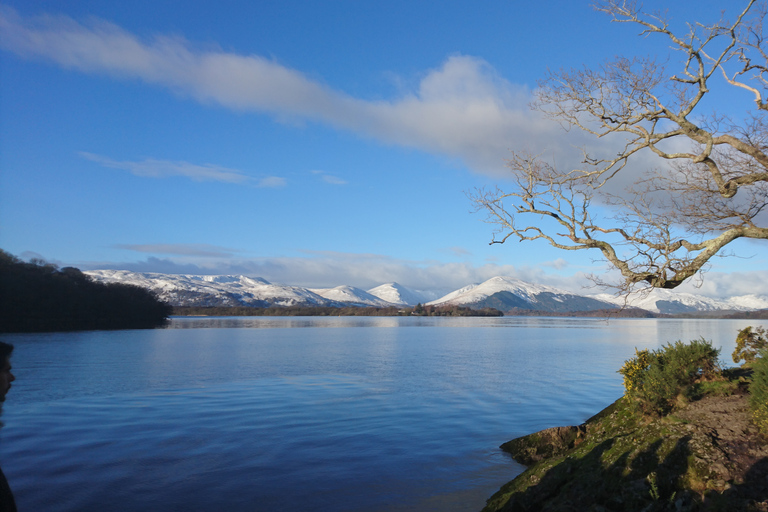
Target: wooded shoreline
x=447, y=311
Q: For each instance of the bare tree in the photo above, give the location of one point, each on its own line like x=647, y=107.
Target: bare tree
x=711, y=182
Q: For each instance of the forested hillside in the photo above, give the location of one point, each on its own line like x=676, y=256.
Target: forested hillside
x=38, y=296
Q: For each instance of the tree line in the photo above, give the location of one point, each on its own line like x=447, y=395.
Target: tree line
x=37, y=296
x=417, y=310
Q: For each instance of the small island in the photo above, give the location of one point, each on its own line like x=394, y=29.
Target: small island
x=686, y=436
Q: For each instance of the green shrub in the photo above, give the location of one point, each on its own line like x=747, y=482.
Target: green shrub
x=654, y=380
x=758, y=400
x=748, y=343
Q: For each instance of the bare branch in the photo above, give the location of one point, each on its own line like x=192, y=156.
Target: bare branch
x=673, y=220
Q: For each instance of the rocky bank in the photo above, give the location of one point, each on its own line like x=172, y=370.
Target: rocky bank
x=706, y=456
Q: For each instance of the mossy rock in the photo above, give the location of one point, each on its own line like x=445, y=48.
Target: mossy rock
x=544, y=445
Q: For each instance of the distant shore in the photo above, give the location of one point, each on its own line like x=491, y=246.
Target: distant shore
x=418, y=310
x=448, y=311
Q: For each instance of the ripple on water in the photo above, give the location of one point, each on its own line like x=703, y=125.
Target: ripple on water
x=361, y=416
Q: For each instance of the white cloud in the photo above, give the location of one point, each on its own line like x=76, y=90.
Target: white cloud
x=461, y=110
x=724, y=285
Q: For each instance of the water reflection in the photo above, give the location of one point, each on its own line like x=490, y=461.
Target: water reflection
x=272, y=322
x=278, y=322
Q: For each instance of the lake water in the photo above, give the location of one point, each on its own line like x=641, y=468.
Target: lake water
x=305, y=414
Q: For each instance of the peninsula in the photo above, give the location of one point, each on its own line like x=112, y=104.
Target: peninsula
x=706, y=454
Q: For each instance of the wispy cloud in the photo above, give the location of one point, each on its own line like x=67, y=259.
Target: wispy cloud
x=557, y=264
x=153, y=168
x=271, y=182
x=329, y=178
x=200, y=250
x=463, y=109
x=458, y=251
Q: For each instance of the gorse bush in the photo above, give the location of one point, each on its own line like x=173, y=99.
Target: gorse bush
x=758, y=389
x=634, y=369
x=748, y=343
x=655, y=379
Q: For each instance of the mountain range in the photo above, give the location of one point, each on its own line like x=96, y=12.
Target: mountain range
x=503, y=293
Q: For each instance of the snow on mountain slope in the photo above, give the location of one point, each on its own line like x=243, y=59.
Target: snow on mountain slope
x=185, y=289
x=351, y=295
x=749, y=302
x=400, y=295
x=475, y=293
x=661, y=300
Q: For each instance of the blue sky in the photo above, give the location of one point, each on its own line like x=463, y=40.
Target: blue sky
x=308, y=143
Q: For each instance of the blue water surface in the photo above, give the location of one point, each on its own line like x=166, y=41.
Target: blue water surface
x=297, y=414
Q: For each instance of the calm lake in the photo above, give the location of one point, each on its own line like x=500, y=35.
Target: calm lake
x=306, y=414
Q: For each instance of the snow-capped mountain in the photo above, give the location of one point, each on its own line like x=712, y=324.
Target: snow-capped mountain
x=395, y=293
x=660, y=300
x=503, y=293
x=506, y=293
x=203, y=290
x=749, y=302
x=351, y=295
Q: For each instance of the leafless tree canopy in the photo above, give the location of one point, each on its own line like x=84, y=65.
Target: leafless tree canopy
x=711, y=182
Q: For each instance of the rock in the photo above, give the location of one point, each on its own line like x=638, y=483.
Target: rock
x=544, y=444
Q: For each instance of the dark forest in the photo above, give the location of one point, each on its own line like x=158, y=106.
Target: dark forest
x=38, y=296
